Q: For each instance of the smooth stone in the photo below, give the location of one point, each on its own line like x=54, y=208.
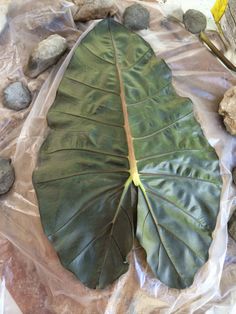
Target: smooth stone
x=194, y=21
x=46, y=54
x=16, y=96
x=227, y=109
x=234, y=175
x=7, y=175
x=87, y=10
x=232, y=226
x=136, y=17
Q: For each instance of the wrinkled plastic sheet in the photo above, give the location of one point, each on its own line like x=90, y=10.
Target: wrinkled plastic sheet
x=29, y=267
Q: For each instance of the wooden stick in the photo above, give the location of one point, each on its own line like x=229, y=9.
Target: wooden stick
x=203, y=36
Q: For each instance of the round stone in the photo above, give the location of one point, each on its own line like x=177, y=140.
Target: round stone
x=47, y=53
x=227, y=109
x=194, y=21
x=136, y=17
x=17, y=96
x=7, y=175
x=234, y=175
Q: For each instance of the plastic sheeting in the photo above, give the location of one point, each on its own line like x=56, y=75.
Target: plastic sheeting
x=29, y=267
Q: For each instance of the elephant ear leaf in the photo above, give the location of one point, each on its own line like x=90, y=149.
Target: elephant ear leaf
x=125, y=156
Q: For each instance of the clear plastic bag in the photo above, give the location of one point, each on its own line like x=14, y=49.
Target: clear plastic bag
x=29, y=266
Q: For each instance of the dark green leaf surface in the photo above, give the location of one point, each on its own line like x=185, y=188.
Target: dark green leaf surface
x=123, y=142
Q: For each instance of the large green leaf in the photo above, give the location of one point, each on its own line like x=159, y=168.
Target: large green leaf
x=123, y=142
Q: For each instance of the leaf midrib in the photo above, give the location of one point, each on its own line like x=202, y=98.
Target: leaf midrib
x=131, y=154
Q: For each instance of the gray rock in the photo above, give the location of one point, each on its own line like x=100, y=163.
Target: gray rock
x=194, y=21
x=7, y=175
x=136, y=17
x=227, y=109
x=232, y=226
x=17, y=96
x=46, y=54
x=234, y=175
x=86, y=10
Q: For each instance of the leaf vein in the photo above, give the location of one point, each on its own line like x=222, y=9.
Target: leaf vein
x=181, y=240
x=90, y=119
x=144, y=221
x=158, y=232
x=114, y=240
x=91, y=86
x=181, y=209
x=163, y=129
x=89, y=151
x=80, y=174
x=104, y=60
x=78, y=213
x=133, y=65
x=149, y=97
x=126, y=214
x=167, y=154
x=89, y=244
x=178, y=177
x=127, y=184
